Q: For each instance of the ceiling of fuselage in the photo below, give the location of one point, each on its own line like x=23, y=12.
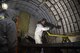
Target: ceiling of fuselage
x=59, y=12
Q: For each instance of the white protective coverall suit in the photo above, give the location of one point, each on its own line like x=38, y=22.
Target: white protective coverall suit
x=38, y=33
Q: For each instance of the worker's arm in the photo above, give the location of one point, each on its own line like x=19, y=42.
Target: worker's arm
x=40, y=27
x=45, y=28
